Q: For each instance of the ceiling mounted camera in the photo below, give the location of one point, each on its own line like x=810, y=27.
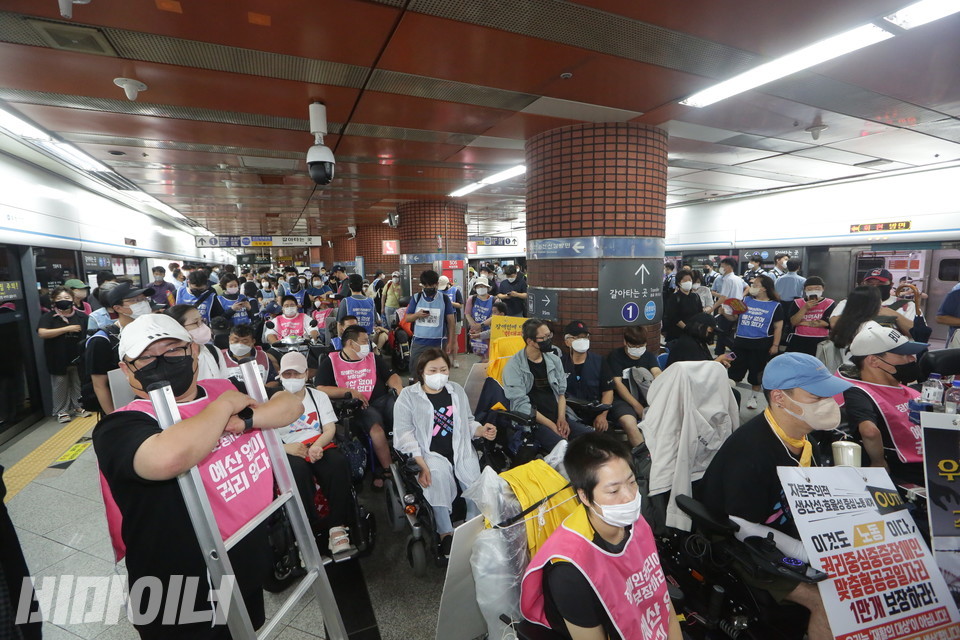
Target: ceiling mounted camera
x=320, y=160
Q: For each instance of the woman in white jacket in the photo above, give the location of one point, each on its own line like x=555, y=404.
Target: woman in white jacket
x=433, y=423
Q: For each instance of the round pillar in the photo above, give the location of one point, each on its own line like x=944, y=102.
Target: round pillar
x=373, y=241
x=596, y=201
x=430, y=231
x=326, y=255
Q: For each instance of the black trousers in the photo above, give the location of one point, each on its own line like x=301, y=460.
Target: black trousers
x=751, y=360
x=332, y=473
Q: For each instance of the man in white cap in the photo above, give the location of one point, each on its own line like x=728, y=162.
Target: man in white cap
x=140, y=463
x=742, y=479
x=884, y=362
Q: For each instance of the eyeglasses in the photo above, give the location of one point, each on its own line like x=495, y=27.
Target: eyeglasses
x=549, y=336
x=196, y=324
x=173, y=355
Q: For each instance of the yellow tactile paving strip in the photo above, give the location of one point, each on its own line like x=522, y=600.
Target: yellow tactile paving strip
x=21, y=474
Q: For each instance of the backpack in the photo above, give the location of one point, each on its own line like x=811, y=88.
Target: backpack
x=88, y=397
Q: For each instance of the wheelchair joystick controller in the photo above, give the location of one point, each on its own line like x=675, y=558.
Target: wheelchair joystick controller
x=715, y=604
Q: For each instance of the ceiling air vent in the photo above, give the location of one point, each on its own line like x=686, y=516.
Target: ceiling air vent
x=114, y=180
x=70, y=37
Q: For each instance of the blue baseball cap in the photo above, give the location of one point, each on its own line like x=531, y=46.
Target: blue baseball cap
x=801, y=370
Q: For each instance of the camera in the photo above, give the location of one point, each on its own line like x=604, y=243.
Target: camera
x=321, y=163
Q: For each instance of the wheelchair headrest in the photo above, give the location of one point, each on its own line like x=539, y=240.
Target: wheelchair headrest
x=946, y=362
x=704, y=519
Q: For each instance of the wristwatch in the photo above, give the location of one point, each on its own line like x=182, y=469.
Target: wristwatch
x=246, y=415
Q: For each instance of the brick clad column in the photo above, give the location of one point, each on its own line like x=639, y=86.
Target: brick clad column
x=326, y=255
x=421, y=222
x=594, y=181
x=370, y=239
x=344, y=249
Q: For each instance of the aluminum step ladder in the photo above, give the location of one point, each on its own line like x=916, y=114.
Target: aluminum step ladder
x=215, y=548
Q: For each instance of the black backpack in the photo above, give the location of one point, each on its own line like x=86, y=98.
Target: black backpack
x=88, y=397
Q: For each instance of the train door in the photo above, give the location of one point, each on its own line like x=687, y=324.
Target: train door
x=944, y=274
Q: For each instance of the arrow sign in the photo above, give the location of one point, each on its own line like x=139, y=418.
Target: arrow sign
x=201, y=242
x=642, y=272
x=546, y=301
x=578, y=246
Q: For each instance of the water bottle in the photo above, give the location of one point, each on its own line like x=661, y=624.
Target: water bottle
x=932, y=390
x=951, y=399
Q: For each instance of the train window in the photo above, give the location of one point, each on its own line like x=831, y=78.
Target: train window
x=949, y=270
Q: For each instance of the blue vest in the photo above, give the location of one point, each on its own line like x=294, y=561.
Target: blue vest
x=336, y=343
x=185, y=297
x=433, y=327
x=239, y=317
x=364, y=310
x=300, y=296
x=755, y=321
x=481, y=309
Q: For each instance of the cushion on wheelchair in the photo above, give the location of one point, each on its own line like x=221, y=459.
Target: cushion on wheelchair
x=501, y=350
x=704, y=518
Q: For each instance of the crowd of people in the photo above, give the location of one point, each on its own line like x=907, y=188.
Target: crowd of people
x=797, y=349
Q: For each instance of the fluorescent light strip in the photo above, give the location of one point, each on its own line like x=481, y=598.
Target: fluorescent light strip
x=20, y=127
x=923, y=12
x=512, y=172
x=791, y=63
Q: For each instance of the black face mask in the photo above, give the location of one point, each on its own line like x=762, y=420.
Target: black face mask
x=905, y=373
x=177, y=371
x=884, y=290
x=196, y=293
x=429, y=291
x=545, y=345
x=63, y=305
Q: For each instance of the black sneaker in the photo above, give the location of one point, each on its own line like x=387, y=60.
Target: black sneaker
x=445, y=544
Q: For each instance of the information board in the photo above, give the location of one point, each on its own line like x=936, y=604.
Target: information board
x=941, y=433
x=503, y=326
x=542, y=303
x=884, y=582
x=630, y=292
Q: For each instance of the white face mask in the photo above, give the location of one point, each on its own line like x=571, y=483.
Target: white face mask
x=265, y=285
x=636, y=352
x=686, y=286
x=232, y=291
x=141, y=308
x=482, y=291
x=511, y=279
x=293, y=385
x=318, y=303
x=289, y=312
x=396, y=280
x=158, y=279
x=201, y=335
x=318, y=283
x=754, y=291
x=619, y=515
x=814, y=293
x=436, y=380
x=239, y=349
x=580, y=345
x=364, y=350
x=822, y=415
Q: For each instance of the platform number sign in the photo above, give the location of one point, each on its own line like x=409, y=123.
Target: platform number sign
x=630, y=291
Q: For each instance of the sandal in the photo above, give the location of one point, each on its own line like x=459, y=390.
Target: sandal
x=339, y=540
x=381, y=476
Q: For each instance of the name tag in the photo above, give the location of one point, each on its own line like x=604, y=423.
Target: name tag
x=432, y=320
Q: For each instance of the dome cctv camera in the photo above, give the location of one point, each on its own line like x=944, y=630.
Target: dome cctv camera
x=320, y=160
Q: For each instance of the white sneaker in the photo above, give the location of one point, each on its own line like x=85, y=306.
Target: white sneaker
x=63, y=418
x=339, y=540
x=752, y=402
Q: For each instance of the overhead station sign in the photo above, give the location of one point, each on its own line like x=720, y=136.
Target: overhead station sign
x=258, y=241
x=874, y=227
x=630, y=292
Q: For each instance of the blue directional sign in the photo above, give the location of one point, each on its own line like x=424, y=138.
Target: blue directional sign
x=595, y=247
x=630, y=292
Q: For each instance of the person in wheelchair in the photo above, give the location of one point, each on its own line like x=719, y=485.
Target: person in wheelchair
x=628, y=408
x=356, y=370
x=585, y=374
x=884, y=361
x=242, y=348
x=433, y=423
x=308, y=441
x=534, y=380
x=575, y=583
x=290, y=322
x=742, y=479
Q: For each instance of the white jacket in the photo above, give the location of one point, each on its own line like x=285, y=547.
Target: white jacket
x=692, y=411
x=413, y=430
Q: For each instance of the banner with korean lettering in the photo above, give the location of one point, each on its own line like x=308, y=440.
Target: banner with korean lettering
x=884, y=582
x=505, y=326
x=941, y=437
x=238, y=480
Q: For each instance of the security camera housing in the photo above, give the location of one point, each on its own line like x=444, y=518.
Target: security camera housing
x=321, y=164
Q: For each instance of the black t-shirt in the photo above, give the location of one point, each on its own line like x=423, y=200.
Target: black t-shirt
x=742, y=478
x=103, y=353
x=156, y=529
x=63, y=350
x=860, y=408
x=325, y=377
x=618, y=362
x=516, y=307
x=569, y=596
x=542, y=394
x=443, y=421
x=687, y=349
x=680, y=307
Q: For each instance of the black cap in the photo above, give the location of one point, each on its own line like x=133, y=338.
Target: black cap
x=124, y=291
x=575, y=328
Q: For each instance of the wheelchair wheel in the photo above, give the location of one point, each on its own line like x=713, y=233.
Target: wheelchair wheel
x=417, y=555
x=395, y=515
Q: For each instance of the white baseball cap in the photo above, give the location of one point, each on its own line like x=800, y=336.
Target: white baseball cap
x=443, y=283
x=482, y=282
x=293, y=361
x=874, y=338
x=145, y=330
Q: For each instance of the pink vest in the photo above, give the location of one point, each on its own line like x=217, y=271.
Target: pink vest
x=320, y=315
x=813, y=315
x=892, y=403
x=361, y=376
x=630, y=585
x=263, y=364
x=289, y=326
x=236, y=474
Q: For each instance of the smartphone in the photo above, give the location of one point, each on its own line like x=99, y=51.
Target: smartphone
x=731, y=356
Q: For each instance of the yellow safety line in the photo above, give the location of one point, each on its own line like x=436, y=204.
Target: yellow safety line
x=21, y=474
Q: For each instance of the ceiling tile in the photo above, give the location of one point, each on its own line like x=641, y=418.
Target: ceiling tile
x=902, y=145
